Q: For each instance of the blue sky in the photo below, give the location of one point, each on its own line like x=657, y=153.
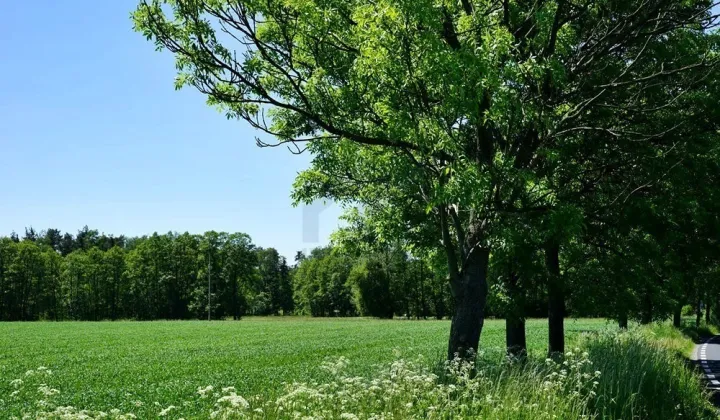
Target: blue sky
x=93, y=133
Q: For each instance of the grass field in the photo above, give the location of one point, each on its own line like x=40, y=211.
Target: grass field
x=107, y=365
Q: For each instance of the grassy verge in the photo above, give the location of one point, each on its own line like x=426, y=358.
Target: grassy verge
x=339, y=369
x=645, y=375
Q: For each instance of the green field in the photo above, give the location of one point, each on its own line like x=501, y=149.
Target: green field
x=107, y=365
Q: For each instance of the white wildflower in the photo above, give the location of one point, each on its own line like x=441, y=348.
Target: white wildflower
x=47, y=391
x=205, y=391
x=166, y=411
x=235, y=401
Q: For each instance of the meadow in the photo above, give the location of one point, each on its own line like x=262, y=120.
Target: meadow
x=140, y=366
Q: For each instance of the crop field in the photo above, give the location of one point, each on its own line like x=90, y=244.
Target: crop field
x=140, y=366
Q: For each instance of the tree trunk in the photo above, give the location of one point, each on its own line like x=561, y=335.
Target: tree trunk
x=515, y=335
x=623, y=320
x=515, y=339
x=470, y=293
x=698, y=313
x=677, y=316
x=556, y=300
x=707, y=312
x=647, y=313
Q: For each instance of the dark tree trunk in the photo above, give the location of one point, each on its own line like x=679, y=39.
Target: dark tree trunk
x=623, y=320
x=515, y=335
x=647, y=313
x=677, y=316
x=707, y=312
x=515, y=339
x=556, y=300
x=235, y=299
x=439, y=300
x=470, y=293
x=698, y=313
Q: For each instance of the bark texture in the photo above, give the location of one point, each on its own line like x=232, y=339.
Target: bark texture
x=470, y=293
x=515, y=338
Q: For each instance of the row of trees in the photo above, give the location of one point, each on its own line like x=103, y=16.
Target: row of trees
x=168, y=277
x=171, y=276
x=567, y=147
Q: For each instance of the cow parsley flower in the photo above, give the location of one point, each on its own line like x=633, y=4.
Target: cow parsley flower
x=166, y=411
x=205, y=391
x=47, y=391
x=235, y=401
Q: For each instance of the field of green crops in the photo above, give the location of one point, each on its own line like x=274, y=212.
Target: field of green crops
x=140, y=366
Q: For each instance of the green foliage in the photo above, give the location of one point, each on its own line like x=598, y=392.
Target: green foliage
x=462, y=125
x=156, y=277
x=274, y=275
x=371, y=289
x=321, y=284
x=371, y=280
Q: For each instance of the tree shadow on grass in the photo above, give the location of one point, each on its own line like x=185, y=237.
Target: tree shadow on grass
x=697, y=334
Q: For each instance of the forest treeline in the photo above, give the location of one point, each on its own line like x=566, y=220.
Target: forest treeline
x=91, y=276
x=49, y=275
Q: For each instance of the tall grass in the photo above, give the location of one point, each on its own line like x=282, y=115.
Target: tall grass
x=636, y=374
x=645, y=376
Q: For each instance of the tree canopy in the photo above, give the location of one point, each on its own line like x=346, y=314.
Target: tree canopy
x=455, y=119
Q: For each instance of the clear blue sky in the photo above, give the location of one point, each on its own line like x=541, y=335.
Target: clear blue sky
x=93, y=133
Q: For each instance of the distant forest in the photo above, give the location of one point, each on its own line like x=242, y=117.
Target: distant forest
x=51, y=275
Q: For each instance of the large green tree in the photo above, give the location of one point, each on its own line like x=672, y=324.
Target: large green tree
x=468, y=107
